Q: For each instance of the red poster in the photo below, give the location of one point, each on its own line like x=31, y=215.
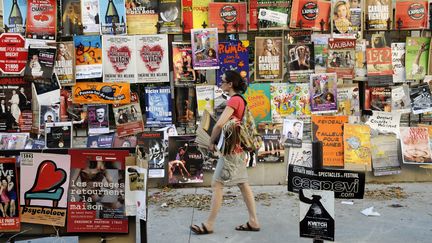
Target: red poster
x=379, y=61
x=41, y=19
x=229, y=15
x=411, y=14
x=9, y=196
x=187, y=16
x=96, y=199
x=310, y=13
x=13, y=55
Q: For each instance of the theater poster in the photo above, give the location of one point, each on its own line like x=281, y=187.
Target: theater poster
x=128, y=117
x=44, y=188
x=97, y=191
x=412, y=14
x=16, y=94
x=142, y=17
x=158, y=108
x=328, y=130
x=231, y=15
x=268, y=58
x=65, y=63
x=153, y=58
x=41, y=19
x=88, y=56
x=71, y=18
x=233, y=55
x=112, y=16
x=101, y=93
x=204, y=48
x=377, y=14
x=182, y=62
x=15, y=22
x=90, y=17
x=119, y=58
x=171, y=16
x=9, y=220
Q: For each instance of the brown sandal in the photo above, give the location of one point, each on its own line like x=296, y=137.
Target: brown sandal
x=247, y=228
x=201, y=230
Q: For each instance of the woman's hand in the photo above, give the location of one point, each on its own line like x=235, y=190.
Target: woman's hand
x=212, y=147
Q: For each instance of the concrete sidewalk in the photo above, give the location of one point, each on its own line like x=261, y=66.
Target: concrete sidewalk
x=405, y=210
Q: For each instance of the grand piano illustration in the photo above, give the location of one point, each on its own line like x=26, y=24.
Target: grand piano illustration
x=48, y=184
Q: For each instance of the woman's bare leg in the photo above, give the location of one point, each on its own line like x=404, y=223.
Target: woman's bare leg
x=249, y=199
x=216, y=203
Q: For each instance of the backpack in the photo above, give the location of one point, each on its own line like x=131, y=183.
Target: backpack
x=250, y=139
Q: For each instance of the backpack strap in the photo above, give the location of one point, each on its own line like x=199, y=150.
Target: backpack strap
x=245, y=104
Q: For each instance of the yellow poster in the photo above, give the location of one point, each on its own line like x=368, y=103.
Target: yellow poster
x=357, y=147
x=200, y=13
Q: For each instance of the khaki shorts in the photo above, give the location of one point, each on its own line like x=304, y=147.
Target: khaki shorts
x=231, y=169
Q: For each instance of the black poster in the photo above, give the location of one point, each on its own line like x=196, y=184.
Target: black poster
x=345, y=184
x=317, y=214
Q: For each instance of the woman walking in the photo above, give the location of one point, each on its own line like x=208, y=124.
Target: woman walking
x=231, y=166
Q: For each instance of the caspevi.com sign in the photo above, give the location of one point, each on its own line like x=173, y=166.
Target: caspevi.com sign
x=344, y=183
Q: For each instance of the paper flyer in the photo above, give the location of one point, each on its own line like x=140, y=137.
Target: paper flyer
x=41, y=22
x=152, y=64
x=204, y=48
x=119, y=59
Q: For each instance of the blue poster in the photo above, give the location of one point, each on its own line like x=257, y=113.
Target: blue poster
x=158, y=106
x=112, y=17
x=14, y=15
x=233, y=55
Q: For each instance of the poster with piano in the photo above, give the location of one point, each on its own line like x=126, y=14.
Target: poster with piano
x=153, y=59
x=44, y=186
x=15, y=105
x=14, y=15
x=97, y=187
x=41, y=22
x=9, y=220
x=119, y=59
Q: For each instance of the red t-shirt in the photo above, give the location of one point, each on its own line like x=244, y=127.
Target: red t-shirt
x=237, y=103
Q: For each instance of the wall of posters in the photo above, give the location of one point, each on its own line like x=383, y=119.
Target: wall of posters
x=152, y=64
x=112, y=17
x=205, y=48
x=268, y=58
x=141, y=17
x=41, y=22
x=119, y=59
x=44, y=187
x=88, y=56
x=9, y=220
x=101, y=93
x=96, y=199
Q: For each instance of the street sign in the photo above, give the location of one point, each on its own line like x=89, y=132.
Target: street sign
x=13, y=55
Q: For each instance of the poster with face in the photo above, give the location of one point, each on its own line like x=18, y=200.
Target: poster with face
x=152, y=63
x=182, y=62
x=156, y=151
x=346, y=18
x=98, y=119
x=65, y=63
x=128, y=117
x=9, y=220
x=268, y=58
x=204, y=48
x=44, y=187
x=301, y=62
x=158, y=109
x=119, y=59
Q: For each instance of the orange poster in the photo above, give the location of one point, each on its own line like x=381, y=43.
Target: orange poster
x=310, y=13
x=328, y=130
x=411, y=14
x=101, y=93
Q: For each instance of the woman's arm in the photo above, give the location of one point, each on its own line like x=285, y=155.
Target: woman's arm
x=226, y=115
